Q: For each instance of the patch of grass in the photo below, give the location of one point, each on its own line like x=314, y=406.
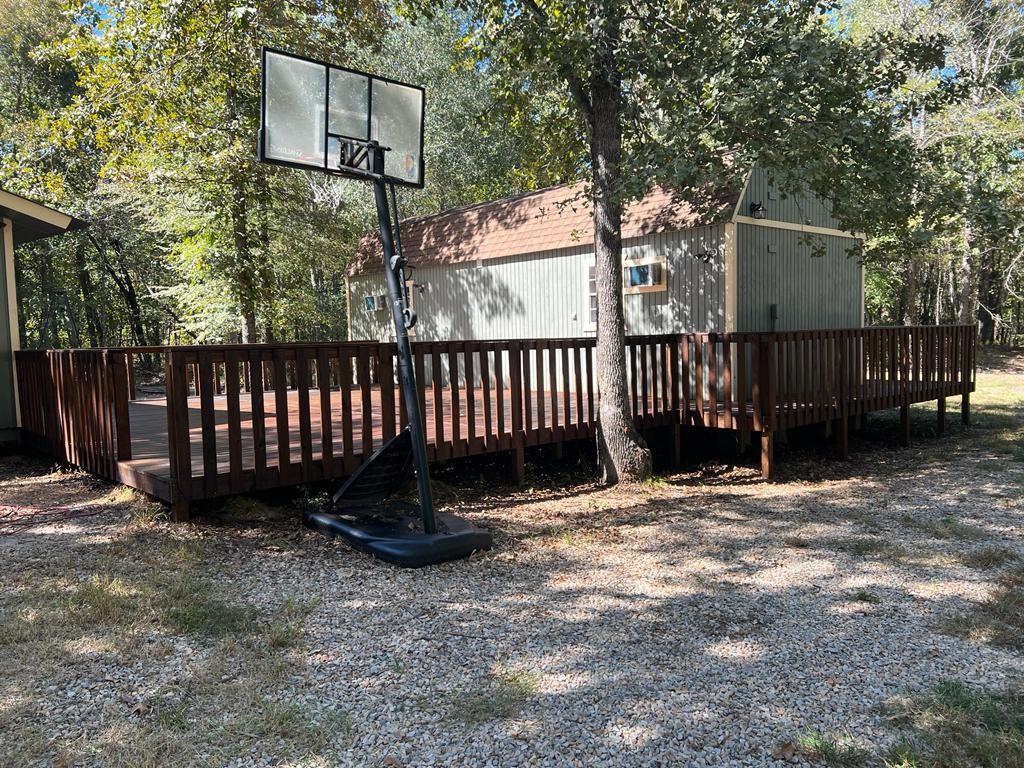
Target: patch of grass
x=189, y=606
x=871, y=547
x=954, y=725
x=1000, y=619
x=143, y=512
x=103, y=600
x=504, y=699
x=988, y=557
x=817, y=747
x=863, y=596
x=946, y=527
x=656, y=483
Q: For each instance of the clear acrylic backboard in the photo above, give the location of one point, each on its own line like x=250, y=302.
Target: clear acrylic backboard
x=316, y=115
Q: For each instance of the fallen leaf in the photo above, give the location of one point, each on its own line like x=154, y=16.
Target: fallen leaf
x=140, y=709
x=392, y=762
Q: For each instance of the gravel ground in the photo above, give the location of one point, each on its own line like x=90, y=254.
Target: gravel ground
x=702, y=620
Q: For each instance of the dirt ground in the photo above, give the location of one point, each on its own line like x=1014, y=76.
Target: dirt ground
x=705, y=618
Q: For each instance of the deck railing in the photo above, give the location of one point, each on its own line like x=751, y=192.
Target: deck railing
x=245, y=417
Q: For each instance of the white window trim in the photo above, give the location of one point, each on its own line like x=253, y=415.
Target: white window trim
x=644, y=261
x=589, y=325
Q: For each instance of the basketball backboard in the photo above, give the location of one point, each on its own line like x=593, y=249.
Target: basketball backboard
x=316, y=115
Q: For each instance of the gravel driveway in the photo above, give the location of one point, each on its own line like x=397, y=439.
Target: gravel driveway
x=706, y=619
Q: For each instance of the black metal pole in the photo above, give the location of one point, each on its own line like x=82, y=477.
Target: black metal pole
x=405, y=369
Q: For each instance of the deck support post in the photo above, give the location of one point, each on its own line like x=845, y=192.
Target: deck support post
x=677, y=449
x=744, y=441
x=842, y=437
x=940, y=413
x=965, y=408
x=768, y=455
x=181, y=510
x=904, y=425
x=559, y=454
x=519, y=464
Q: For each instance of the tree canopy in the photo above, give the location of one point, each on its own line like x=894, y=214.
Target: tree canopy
x=140, y=116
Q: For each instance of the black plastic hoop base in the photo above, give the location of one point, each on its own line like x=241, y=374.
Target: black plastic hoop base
x=400, y=540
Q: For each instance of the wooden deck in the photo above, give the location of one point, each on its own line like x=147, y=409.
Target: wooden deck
x=238, y=418
x=149, y=431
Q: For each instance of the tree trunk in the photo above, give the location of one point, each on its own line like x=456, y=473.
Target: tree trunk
x=623, y=453
x=911, y=308
x=93, y=321
x=968, y=297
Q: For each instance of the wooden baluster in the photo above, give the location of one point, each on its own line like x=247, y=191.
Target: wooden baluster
x=232, y=361
x=469, y=350
x=281, y=415
x=591, y=388
x=261, y=477
x=348, y=451
x=324, y=373
x=632, y=378
x=712, y=375
x=122, y=390
x=386, y=378
x=178, y=439
x=208, y=421
x=742, y=421
x=490, y=439
x=444, y=445
x=365, y=402
x=499, y=384
x=458, y=447
x=517, y=387
x=568, y=430
x=578, y=381
x=673, y=403
x=644, y=411
x=556, y=429
x=542, y=435
x=727, y=396
x=302, y=385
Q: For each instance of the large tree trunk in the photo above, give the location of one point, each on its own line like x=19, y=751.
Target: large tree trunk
x=623, y=453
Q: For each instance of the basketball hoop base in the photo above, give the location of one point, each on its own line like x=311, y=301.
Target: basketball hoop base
x=397, y=536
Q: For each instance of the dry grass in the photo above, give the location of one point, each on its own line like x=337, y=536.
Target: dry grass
x=946, y=527
x=152, y=598
x=998, y=620
x=988, y=557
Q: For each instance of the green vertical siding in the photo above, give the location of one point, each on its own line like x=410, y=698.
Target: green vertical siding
x=793, y=208
x=8, y=415
x=777, y=266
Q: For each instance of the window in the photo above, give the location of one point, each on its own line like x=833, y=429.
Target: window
x=645, y=275
x=592, y=294
x=375, y=303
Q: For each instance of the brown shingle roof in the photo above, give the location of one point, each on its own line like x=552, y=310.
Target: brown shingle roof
x=534, y=222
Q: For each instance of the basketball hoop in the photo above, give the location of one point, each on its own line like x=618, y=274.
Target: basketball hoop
x=339, y=121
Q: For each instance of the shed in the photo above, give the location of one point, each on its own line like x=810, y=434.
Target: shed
x=749, y=259
x=21, y=221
